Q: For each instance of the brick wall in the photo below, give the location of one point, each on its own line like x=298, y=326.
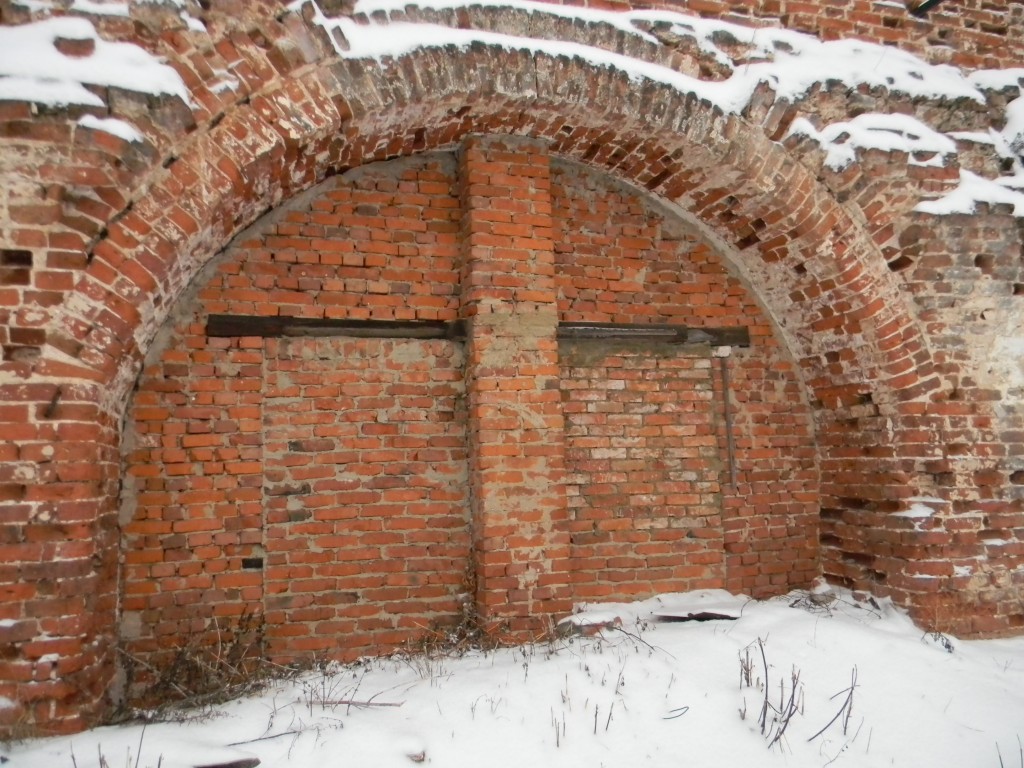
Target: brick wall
x=516, y=427
x=366, y=499
x=891, y=334
x=968, y=33
x=964, y=449
x=320, y=483
x=645, y=473
x=651, y=491
x=336, y=486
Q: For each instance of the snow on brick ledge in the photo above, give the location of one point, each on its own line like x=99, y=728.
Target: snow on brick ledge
x=794, y=65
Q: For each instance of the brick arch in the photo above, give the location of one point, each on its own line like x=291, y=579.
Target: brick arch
x=815, y=265
x=815, y=269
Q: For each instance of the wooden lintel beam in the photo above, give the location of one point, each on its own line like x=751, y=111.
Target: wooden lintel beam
x=673, y=334
x=276, y=326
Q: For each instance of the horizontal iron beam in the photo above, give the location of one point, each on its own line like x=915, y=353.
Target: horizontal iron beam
x=277, y=326
x=673, y=334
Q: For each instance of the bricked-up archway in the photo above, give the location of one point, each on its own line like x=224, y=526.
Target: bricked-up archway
x=817, y=266
x=324, y=483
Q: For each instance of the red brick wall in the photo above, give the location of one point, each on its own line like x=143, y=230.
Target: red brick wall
x=192, y=507
x=366, y=536
x=516, y=426
x=339, y=464
x=324, y=483
x=644, y=471
x=380, y=247
x=646, y=429
x=102, y=236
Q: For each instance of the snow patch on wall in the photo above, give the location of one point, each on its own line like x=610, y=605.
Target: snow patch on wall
x=181, y=6
x=622, y=21
x=100, y=8
x=111, y=125
x=791, y=63
x=49, y=92
x=997, y=79
x=888, y=133
x=975, y=189
x=1014, y=130
x=796, y=61
x=33, y=69
x=35, y=5
x=916, y=510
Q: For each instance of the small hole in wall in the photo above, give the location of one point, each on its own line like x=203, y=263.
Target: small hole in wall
x=1017, y=478
x=14, y=257
x=800, y=269
x=1018, y=289
x=841, y=581
x=985, y=262
x=746, y=242
x=900, y=263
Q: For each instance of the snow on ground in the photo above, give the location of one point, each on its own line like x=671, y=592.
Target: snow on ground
x=643, y=691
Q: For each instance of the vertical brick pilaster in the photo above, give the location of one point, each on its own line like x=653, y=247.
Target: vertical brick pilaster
x=517, y=433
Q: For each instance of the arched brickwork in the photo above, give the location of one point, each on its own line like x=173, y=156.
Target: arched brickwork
x=969, y=33
x=120, y=230
x=238, y=448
